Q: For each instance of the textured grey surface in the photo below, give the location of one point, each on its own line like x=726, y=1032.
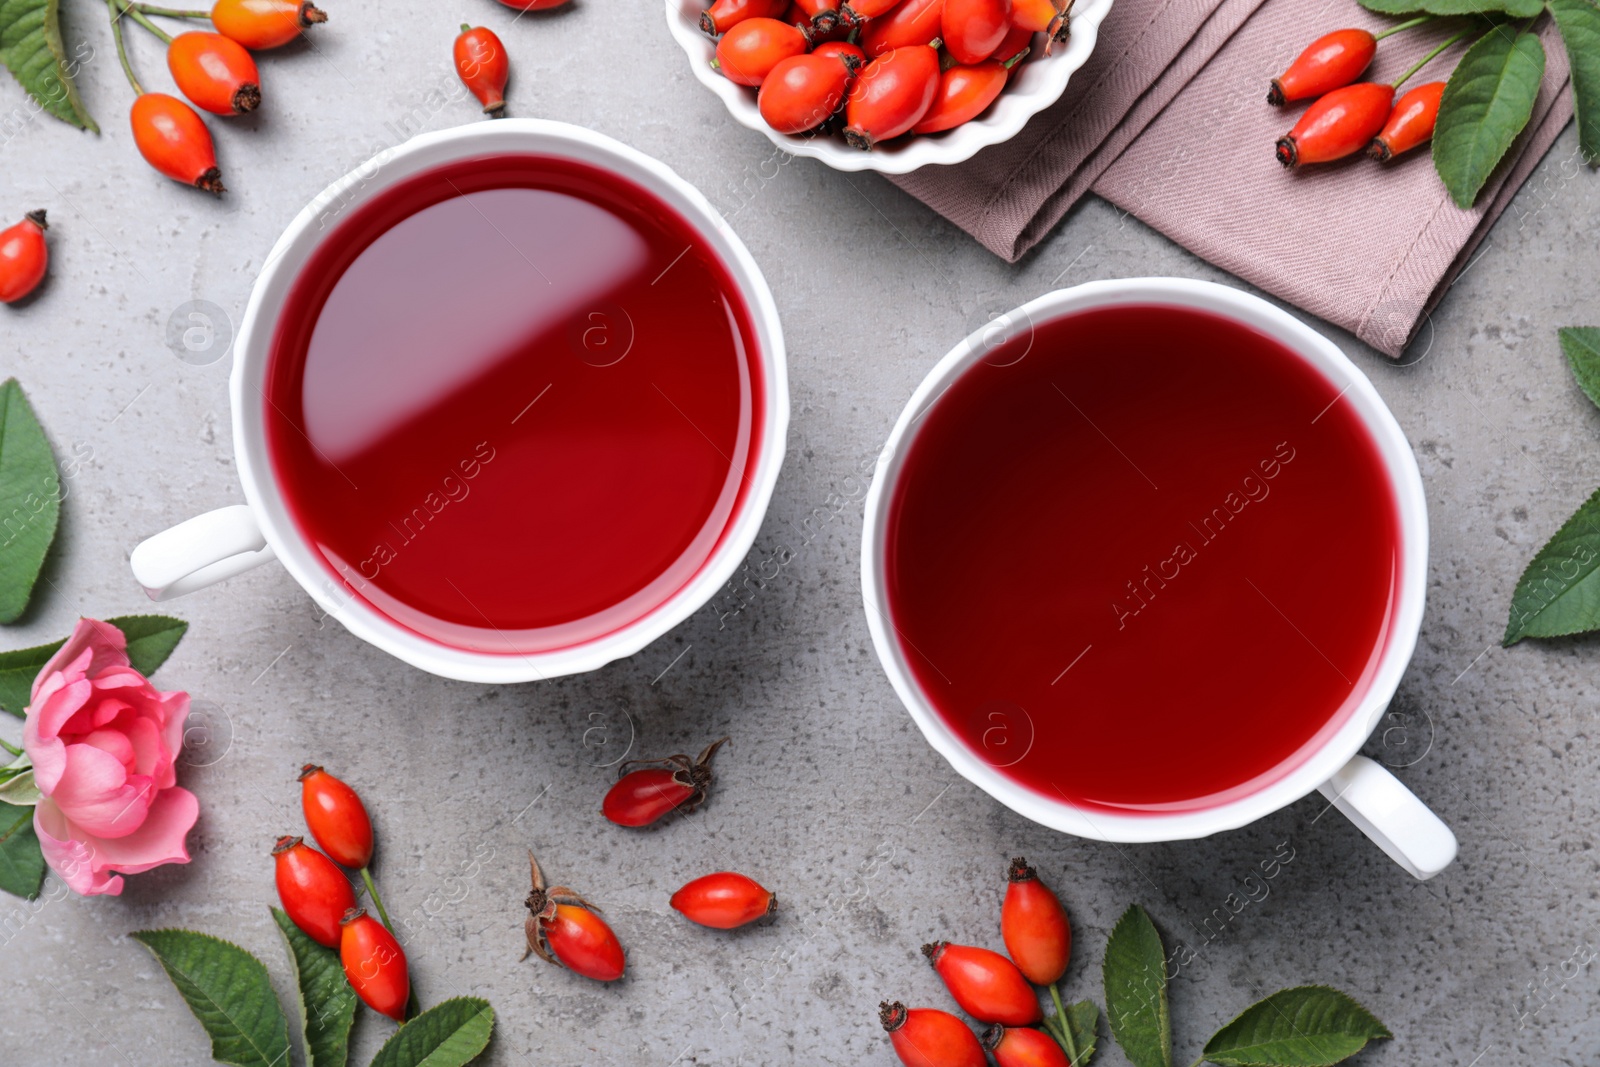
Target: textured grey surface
x=828, y=794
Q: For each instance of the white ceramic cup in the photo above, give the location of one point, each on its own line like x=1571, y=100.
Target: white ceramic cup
x=1365, y=791
x=226, y=542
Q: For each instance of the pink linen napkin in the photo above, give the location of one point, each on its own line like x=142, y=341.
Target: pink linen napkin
x=1168, y=120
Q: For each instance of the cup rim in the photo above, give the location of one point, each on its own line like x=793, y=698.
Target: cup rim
x=1411, y=505
x=319, y=219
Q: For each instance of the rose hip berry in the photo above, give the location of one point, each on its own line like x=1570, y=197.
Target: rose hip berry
x=1410, y=123
x=533, y=5
x=822, y=14
x=724, y=15
x=648, y=789
x=263, y=24
x=336, y=816
x=314, y=891
x=374, y=964
x=215, y=72
x=1034, y=926
x=1340, y=124
x=567, y=930
x=928, y=1037
x=986, y=984
x=724, y=900
x=747, y=53
x=973, y=29
x=482, y=66
x=1330, y=62
x=174, y=140
x=964, y=94
x=1019, y=1046
x=24, y=257
x=891, y=95
x=913, y=22
x=851, y=54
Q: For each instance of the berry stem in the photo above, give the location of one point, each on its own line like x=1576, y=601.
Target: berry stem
x=171, y=12
x=122, y=48
x=1061, y=1024
x=1425, y=60
x=1418, y=21
x=138, y=16
x=377, y=901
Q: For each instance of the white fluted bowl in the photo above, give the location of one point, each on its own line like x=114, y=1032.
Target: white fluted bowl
x=1036, y=83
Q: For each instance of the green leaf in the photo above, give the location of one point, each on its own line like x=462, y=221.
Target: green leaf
x=1486, y=103
x=1135, y=971
x=1309, y=1026
x=327, y=1003
x=20, y=789
x=1521, y=9
x=1083, y=1021
x=1582, y=347
x=30, y=497
x=229, y=992
x=446, y=1035
x=1579, y=23
x=151, y=639
x=31, y=47
x=18, y=670
x=21, y=862
x=1559, y=593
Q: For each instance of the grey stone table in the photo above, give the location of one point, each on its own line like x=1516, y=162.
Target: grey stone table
x=828, y=793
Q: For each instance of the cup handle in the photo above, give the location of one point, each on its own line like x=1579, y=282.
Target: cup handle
x=1390, y=814
x=200, y=552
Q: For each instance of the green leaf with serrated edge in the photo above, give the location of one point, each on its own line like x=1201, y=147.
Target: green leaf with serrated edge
x=1579, y=23
x=1516, y=8
x=446, y=1035
x=229, y=992
x=21, y=862
x=1486, y=103
x=32, y=49
x=1559, y=592
x=1581, y=344
x=30, y=499
x=151, y=639
x=1135, y=971
x=1083, y=1021
x=1308, y=1026
x=327, y=1003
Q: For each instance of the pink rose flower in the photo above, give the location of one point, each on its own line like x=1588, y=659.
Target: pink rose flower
x=103, y=741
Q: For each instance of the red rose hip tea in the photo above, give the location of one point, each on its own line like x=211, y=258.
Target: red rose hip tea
x=512, y=402
x=1142, y=559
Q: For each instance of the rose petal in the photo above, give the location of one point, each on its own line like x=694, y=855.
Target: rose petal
x=57, y=704
x=114, y=743
x=150, y=755
x=105, y=644
x=71, y=859
x=99, y=796
x=160, y=840
x=174, y=721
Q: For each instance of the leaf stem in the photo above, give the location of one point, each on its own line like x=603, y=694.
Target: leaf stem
x=138, y=16
x=1064, y=1026
x=9, y=747
x=172, y=12
x=1199, y=1061
x=122, y=48
x=377, y=901
x=1418, y=21
x=1425, y=60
